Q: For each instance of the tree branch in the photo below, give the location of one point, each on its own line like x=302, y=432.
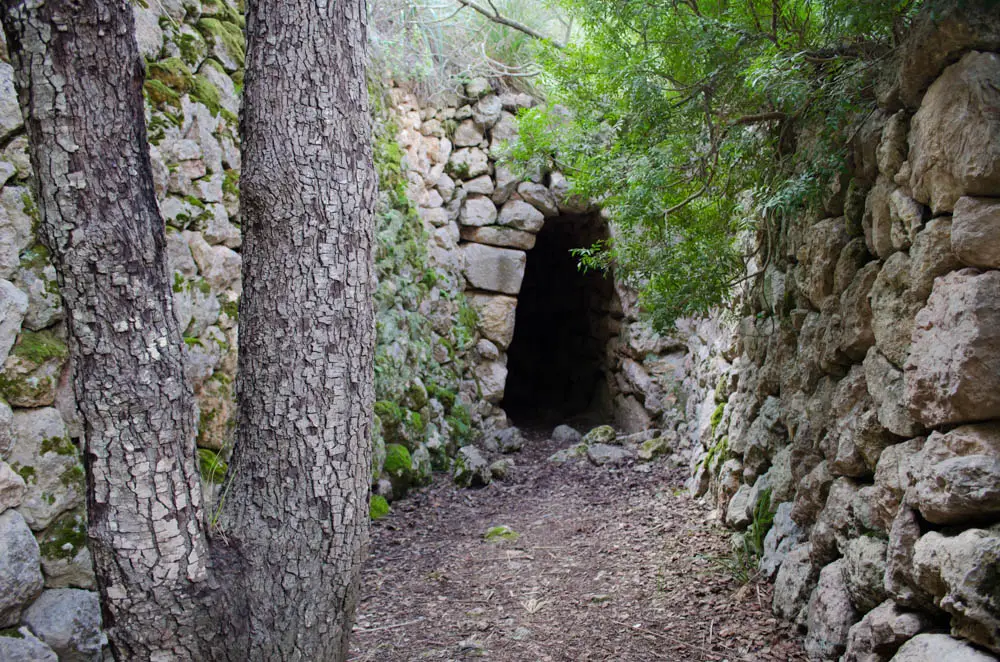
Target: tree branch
x=497, y=17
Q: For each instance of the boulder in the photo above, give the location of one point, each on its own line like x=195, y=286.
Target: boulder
x=864, y=567
x=602, y=434
x=219, y=266
x=499, y=236
x=856, y=335
x=508, y=440
x=959, y=490
x=783, y=536
x=486, y=111
x=898, y=469
x=520, y=215
x=478, y=211
x=792, y=587
x=37, y=277
x=491, y=378
x=467, y=134
x=468, y=163
x=630, y=415
x=893, y=309
x=494, y=269
x=953, y=146
x=30, y=375
x=20, y=570
x=13, y=307
x=856, y=438
x=68, y=620
x=471, y=468
x=885, y=385
x=49, y=461
x=831, y=614
x=482, y=185
x=881, y=632
x=10, y=111
x=564, y=434
x=539, y=197
x=738, y=511
x=66, y=561
x=24, y=647
x=12, y=487
x=907, y=217
x=931, y=256
x=891, y=152
x=939, y=648
x=602, y=454
x=496, y=314
x=953, y=372
x=820, y=252
x=900, y=579
x=975, y=231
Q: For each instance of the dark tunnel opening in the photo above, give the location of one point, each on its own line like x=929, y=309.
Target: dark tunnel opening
x=556, y=361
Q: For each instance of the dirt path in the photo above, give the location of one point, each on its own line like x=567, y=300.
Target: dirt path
x=610, y=564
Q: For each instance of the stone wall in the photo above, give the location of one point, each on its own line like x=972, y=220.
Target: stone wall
x=859, y=397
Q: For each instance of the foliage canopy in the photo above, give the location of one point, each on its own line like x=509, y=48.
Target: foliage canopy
x=692, y=121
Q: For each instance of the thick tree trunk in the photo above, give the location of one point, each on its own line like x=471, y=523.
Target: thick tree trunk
x=297, y=507
x=80, y=81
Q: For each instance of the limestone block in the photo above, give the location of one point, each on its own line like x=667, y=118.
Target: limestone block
x=492, y=378
x=467, y=134
x=539, y=197
x=486, y=112
x=931, y=256
x=959, y=476
x=898, y=470
x=831, y=614
x=12, y=487
x=630, y=415
x=499, y=236
x=20, y=572
x=13, y=306
x=568, y=203
x=885, y=384
x=68, y=620
x=939, y=648
x=881, y=632
x=219, y=265
x=975, y=231
x=37, y=278
x=820, y=252
x=522, y=216
x=504, y=132
x=961, y=572
x=892, y=149
x=25, y=647
x=468, y=163
x=864, y=567
x=496, y=314
x=50, y=462
x=494, y=269
x=953, y=372
x=737, y=512
x=856, y=335
x=784, y=536
x=856, y=439
x=900, y=580
x=877, y=219
x=907, y=216
x=478, y=211
x=16, y=219
x=32, y=370
x=812, y=494
x=10, y=111
x=436, y=217
x=893, y=309
x=471, y=468
x=953, y=145
x=854, y=256
x=566, y=435
x=482, y=185
x=794, y=584
x=505, y=184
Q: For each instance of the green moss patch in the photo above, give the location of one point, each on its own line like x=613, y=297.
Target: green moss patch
x=500, y=533
x=378, y=507
x=213, y=468
x=40, y=346
x=398, y=461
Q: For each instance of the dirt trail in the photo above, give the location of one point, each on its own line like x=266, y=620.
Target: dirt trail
x=610, y=564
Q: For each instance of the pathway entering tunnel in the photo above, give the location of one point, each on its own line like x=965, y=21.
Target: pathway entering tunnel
x=556, y=361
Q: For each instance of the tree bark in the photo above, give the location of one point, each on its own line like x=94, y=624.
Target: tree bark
x=297, y=507
x=80, y=83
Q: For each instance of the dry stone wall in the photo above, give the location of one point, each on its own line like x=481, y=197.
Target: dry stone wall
x=857, y=400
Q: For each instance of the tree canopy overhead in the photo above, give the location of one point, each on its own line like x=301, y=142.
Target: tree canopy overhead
x=692, y=120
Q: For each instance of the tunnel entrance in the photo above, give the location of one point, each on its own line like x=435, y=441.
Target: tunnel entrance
x=556, y=361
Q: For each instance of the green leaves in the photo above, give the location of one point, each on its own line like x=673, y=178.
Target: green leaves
x=692, y=121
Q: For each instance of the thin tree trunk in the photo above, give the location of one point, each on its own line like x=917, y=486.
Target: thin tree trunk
x=80, y=81
x=296, y=510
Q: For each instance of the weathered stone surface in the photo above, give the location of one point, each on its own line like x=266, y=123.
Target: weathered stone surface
x=487, y=111
x=738, y=511
x=508, y=440
x=975, y=231
x=68, y=620
x=794, y=584
x=494, y=269
x=491, y=378
x=856, y=334
x=885, y=384
x=907, y=216
x=13, y=306
x=478, y=211
x=953, y=372
x=881, y=632
x=820, y=252
x=877, y=219
x=939, y=648
x=12, y=487
x=44, y=454
x=900, y=581
x=482, y=185
x=25, y=647
x=782, y=538
x=471, y=468
x=959, y=476
x=961, y=573
x=468, y=163
x=487, y=350
x=539, y=197
x=892, y=149
x=499, y=236
x=812, y=494
x=565, y=434
x=467, y=134
x=953, y=146
x=10, y=111
x=506, y=183
x=893, y=309
x=496, y=314
x=602, y=434
x=568, y=203
x=16, y=209
x=630, y=415
x=864, y=567
x=602, y=454
x=897, y=471
x=854, y=256
x=522, y=216
x=831, y=614
x=219, y=266
x=856, y=438
x=20, y=574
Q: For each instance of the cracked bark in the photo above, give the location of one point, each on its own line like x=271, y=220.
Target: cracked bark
x=297, y=509
x=80, y=84
x=282, y=582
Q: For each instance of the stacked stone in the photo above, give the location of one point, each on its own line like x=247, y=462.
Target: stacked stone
x=866, y=405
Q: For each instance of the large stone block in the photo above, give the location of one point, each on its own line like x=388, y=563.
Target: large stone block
x=885, y=384
x=793, y=585
x=954, y=149
x=13, y=306
x=953, y=371
x=831, y=614
x=958, y=477
x=893, y=309
x=881, y=632
x=496, y=314
x=478, y=211
x=69, y=621
x=939, y=648
x=975, y=231
x=522, y=216
x=20, y=570
x=820, y=252
x=492, y=378
x=494, y=269
x=499, y=236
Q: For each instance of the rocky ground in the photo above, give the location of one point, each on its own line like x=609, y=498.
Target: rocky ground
x=606, y=563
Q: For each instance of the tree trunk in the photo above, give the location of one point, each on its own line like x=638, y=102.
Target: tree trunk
x=80, y=81
x=297, y=505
